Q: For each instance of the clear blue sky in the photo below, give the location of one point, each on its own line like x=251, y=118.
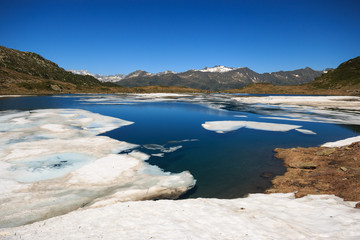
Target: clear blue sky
x=109, y=37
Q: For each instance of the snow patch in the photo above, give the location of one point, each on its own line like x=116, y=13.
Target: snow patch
x=342, y=143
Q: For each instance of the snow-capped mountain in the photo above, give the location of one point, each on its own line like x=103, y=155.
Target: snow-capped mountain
x=218, y=78
x=219, y=69
x=165, y=72
x=138, y=73
x=80, y=72
x=110, y=78
x=209, y=78
x=101, y=78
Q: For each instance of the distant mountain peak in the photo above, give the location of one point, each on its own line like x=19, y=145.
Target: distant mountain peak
x=138, y=73
x=165, y=72
x=80, y=72
x=218, y=68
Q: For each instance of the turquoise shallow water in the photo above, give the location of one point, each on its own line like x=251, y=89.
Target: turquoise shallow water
x=226, y=165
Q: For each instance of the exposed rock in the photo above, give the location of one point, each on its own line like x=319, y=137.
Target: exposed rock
x=55, y=87
x=267, y=175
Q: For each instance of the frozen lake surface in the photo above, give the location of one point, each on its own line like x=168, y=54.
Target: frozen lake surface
x=167, y=143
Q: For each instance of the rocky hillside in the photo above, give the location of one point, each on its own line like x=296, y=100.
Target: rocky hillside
x=218, y=78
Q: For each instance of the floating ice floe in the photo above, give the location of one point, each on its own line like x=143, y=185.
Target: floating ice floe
x=305, y=131
x=53, y=162
x=226, y=126
x=161, y=148
x=342, y=142
x=259, y=216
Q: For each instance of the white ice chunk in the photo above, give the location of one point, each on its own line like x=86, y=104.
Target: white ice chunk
x=305, y=131
x=259, y=216
x=342, y=143
x=226, y=126
x=158, y=154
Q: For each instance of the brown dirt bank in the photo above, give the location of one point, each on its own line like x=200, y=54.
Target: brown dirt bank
x=320, y=170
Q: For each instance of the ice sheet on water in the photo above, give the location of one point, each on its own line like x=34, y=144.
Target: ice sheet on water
x=53, y=162
x=226, y=126
x=47, y=166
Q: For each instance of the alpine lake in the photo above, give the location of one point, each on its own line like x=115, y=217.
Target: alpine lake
x=169, y=128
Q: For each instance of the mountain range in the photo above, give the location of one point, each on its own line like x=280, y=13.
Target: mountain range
x=213, y=79
x=30, y=73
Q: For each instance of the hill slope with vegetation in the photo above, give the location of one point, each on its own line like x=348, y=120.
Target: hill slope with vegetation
x=347, y=75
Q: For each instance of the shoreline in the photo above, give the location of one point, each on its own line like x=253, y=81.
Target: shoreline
x=331, y=170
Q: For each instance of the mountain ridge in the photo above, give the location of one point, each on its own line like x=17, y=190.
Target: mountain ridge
x=30, y=73
x=211, y=78
x=225, y=78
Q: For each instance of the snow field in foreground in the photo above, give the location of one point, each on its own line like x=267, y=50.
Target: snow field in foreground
x=259, y=216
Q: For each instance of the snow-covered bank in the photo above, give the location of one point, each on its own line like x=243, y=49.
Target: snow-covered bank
x=259, y=216
x=53, y=162
x=343, y=142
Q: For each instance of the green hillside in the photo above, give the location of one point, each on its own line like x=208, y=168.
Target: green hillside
x=347, y=75
x=35, y=65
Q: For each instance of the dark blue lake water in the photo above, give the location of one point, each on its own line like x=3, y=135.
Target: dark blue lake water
x=226, y=165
